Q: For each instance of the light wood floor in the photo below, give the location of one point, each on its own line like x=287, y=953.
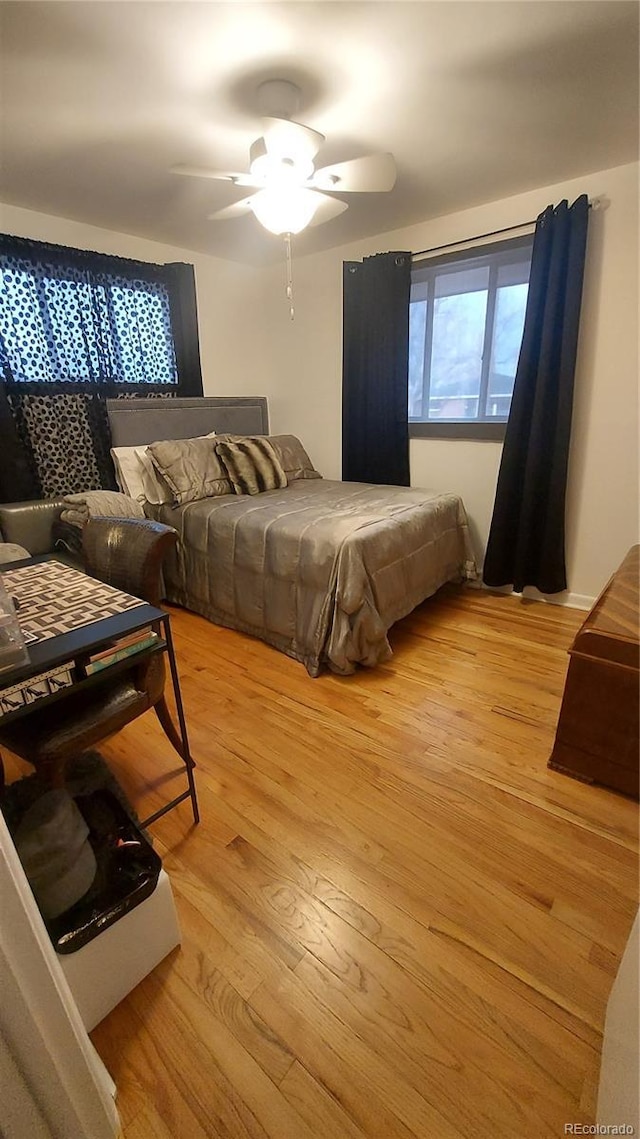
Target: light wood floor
x=396, y=922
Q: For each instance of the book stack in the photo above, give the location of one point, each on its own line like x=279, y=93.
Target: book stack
x=118, y=650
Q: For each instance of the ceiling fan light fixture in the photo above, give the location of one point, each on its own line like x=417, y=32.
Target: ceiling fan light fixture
x=276, y=167
x=324, y=180
x=285, y=209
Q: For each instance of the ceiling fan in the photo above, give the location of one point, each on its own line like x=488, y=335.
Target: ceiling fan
x=290, y=192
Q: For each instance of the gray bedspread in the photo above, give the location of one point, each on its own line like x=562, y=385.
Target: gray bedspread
x=320, y=569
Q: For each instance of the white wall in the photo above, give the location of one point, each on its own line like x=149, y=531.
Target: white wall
x=602, y=495
x=230, y=315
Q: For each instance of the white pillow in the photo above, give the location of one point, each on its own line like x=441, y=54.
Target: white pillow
x=137, y=476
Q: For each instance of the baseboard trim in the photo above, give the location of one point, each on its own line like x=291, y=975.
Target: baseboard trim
x=530, y=593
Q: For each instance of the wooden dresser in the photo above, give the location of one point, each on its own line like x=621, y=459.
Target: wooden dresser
x=597, y=735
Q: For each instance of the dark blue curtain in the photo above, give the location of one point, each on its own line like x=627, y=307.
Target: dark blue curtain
x=77, y=328
x=526, y=540
x=375, y=369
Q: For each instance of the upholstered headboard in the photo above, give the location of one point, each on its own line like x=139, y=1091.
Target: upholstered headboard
x=135, y=422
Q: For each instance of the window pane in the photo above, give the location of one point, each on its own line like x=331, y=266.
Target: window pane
x=452, y=298
x=141, y=326
x=456, y=355
x=511, y=301
x=66, y=307
x=24, y=340
x=514, y=272
x=468, y=280
x=417, y=331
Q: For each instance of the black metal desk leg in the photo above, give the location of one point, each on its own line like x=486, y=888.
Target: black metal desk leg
x=184, y=751
x=189, y=764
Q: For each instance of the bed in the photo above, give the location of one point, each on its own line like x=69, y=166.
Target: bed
x=317, y=568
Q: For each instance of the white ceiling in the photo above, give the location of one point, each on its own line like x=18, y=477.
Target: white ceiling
x=477, y=101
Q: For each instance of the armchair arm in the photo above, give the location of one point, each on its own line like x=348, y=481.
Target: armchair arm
x=30, y=524
x=128, y=554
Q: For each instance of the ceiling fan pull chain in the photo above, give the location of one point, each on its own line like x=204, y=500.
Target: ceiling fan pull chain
x=289, y=289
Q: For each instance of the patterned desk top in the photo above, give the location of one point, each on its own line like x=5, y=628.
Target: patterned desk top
x=54, y=599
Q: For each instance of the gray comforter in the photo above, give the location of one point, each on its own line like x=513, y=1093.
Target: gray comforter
x=320, y=569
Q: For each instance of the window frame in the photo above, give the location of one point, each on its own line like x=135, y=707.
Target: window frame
x=493, y=428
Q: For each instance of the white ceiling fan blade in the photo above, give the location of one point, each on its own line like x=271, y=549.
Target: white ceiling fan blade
x=327, y=209
x=374, y=173
x=283, y=137
x=221, y=175
x=234, y=211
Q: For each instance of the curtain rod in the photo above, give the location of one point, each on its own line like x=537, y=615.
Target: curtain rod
x=493, y=233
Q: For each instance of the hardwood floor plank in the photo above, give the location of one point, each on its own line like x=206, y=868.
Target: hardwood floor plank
x=484, y=905
x=200, y=937
x=147, y=1123
x=265, y=950
x=226, y=1083
x=407, y=1020
x=362, y=887
x=316, y=1105
x=121, y=1040
x=335, y=1072
x=196, y=968
x=481, y=1096
x=433, y=963
x=535, y=870
x=377, y=1098
x=142, y=1059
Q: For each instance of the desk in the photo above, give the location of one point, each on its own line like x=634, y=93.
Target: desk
x=59, y=615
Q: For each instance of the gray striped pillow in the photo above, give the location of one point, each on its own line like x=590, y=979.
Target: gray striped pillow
x=252, y=465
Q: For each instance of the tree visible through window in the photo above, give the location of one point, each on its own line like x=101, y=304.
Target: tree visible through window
x=466, y=319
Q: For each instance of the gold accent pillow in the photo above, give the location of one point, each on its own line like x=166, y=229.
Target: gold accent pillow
x=293, y=458
x=191, y=468
x=252, y=465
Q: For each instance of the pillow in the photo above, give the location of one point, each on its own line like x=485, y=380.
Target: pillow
x=137, y=476
x=11, y=552
x=252, y=465
x=289, y=452
x=191, y=468
x=293, y=458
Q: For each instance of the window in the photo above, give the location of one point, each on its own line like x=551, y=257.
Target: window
x=65, y=324
x=466, y=318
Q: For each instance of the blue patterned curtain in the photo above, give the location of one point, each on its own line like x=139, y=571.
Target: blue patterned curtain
x=76, y=328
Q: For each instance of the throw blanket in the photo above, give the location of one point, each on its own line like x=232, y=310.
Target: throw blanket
x=319, y=569
x=79, y=508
